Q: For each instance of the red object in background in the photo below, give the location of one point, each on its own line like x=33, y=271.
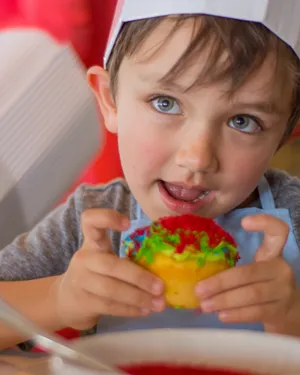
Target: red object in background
x=66, y=20
x=296, y=133
x=106, y=165
x=7, y=9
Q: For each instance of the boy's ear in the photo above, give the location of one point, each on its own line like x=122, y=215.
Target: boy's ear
x=98, y=79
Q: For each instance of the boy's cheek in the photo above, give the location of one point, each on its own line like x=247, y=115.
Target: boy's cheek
x=247, y=167
x=150, y=145
x=150, y=156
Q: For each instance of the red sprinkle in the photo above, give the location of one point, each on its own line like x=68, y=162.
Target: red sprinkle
x=194, y=223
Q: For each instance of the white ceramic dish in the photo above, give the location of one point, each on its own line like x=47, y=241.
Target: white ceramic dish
x=241, y=350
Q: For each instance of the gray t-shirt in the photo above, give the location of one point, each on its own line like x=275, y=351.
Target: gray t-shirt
x=49, y=247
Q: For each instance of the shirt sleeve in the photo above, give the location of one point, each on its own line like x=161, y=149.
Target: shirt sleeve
x=286, y=193
x=47, y=249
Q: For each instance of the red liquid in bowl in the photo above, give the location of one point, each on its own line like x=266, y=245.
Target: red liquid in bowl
x=178, y=370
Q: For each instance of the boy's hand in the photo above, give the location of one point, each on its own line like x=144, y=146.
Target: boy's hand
x=98, y=282
x=264, y=291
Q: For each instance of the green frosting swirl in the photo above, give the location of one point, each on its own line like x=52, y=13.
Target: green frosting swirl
x=159, y=240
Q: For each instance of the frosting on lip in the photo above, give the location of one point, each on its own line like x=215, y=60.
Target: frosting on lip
x=182, y=237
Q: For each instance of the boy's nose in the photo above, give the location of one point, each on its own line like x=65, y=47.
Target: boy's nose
x=197, y=156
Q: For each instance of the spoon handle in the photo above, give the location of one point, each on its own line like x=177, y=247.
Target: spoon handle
x=49, y=342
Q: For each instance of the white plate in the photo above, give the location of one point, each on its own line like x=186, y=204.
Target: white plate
x=260, y=353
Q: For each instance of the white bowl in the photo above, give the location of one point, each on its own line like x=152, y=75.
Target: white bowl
x=260, y=353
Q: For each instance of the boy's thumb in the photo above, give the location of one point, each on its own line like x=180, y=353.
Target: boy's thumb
x=275, y=232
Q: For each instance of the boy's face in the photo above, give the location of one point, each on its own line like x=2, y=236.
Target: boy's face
x=197, y=151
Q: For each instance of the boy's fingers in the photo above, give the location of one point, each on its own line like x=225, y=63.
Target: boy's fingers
x=119, y=291
x=275, y=232
x=127, y=271
x=253, y=294
x=94, y=225
x=109, y=307
x=240, y=276
x=249, y=314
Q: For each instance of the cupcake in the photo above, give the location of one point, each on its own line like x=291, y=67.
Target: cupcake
x=182, y=250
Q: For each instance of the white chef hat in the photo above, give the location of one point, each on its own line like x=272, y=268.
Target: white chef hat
x=280, y=16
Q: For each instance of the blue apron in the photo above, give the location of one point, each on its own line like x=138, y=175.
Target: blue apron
x=247, y=242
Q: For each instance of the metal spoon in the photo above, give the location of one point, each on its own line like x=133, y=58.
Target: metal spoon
x=53, y=344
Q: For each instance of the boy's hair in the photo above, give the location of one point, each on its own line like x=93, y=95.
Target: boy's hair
x=246, y=44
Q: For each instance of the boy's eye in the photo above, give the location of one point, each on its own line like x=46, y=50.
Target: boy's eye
x=245, y=124
x=166, y=104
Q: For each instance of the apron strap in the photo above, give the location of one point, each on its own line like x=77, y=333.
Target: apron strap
x=139, y=212
x=265, y=195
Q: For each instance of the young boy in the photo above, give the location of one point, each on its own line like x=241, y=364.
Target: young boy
x=200, y=104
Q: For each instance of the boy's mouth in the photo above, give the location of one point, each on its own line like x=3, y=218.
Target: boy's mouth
x=185, y=194
x=183, y=199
